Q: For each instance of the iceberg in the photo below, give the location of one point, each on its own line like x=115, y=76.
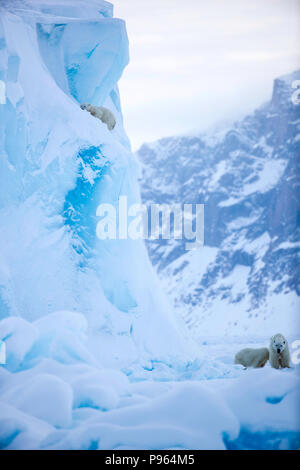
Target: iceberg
x=58, y=164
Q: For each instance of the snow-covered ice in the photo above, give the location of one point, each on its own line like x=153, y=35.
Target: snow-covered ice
x=96, y=358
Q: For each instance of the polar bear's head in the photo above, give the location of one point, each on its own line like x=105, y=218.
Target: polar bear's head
x=278, y=343
x=87, y=106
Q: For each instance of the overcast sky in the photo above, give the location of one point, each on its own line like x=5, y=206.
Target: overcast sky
x=197, y=62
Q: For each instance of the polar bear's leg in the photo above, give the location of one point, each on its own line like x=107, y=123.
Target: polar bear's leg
x=274, y=361
x=262, y=362
x=264, y=357
x=110, y=124
x=86, y=106
x=286, y=357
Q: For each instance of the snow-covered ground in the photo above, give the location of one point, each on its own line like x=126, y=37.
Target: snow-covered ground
x=95, y=356
x=56, y=396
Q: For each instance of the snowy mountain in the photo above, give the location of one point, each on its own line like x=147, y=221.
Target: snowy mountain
x=246, y=277
x=91, y=354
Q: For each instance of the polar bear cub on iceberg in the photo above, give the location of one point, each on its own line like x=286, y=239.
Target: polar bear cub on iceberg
x=102, y=113
x=279, y=352
x=249, y=357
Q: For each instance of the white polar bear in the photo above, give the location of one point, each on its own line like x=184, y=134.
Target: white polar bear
x=104, y=114
x=279, y=352
x=249, y=357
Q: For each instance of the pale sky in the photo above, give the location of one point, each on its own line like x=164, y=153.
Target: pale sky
x=194, y=63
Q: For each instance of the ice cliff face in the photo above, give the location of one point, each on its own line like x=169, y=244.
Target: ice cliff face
x=57, y=165
x=246, y=278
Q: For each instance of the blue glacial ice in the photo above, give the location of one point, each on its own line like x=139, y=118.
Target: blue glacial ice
x=58, y=164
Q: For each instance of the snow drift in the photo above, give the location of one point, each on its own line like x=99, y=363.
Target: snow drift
x=94, y=358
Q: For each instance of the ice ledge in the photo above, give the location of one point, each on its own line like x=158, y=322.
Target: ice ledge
x=60, y=9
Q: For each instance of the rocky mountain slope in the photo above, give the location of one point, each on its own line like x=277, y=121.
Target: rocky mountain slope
x=246, y=277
